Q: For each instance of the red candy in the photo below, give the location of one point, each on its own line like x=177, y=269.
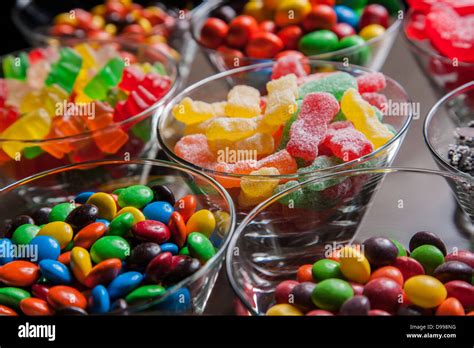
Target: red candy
x=19, y=273
x=65, y=296
x=376, y=99
x=290, y=36
x=348, y=144
x=408, y=267
x=371, y=82
x=35, y=307
x=388, y=272
x=159, y=267
x=319, y=313
x=343, y=30
x=103, y=273
x=283, y=290
x=462, y=256
x=462, y=291
x=213, y=32
x=320, y=17
x=264, y=45
x=241, y=29
x=151, y=230
x=374, y=14
x=290, y=64
x=384, y=294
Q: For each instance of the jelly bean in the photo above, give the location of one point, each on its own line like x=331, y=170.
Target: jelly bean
x=144, y=293
x=330, y=294
x=170, y=247
x=137, y=214
x=70, y=311
x=301, y=296
x=429, y=256
x=159, y=211
x=354, y=266
x=325, y=269
x=60, y=211
x=124, y=284
x=186, y=206
x=425, y=291
x=82, y=197
x=19, y=273
x=380, y=251
x=109, y=247
x=103, y=273
x=99, y=300
x=163, y=193
x=36, y=307
x=88, y=235
x=453, y=270
x=11, y=296
x=202, y=221
x=25, y=233
x=5, y=247
x=319, y=313
x=177, y=229
x=60, y=231
x=80, y=263
x=105, y=203
x=213, y=32
x=462, y=291
x=283, y=309
x=39, y=291
x=55, y=272
x=388, y=272
x=151, y=230
x=378, y=312
x=121, y=225
x=141, y=256
x=383, y=293
x=284, y=290
x=5, y=311
x=181, y=268
x=318, y=42
x=426, y=238
x=82, y=216
x=159, y=267
x=462, y=256
x=136, y=196
x=450, y=306
x=401, y=249
x=357, y=305
x=305, y=273
x=241, y=28
x=408, y=266
x=200, y=247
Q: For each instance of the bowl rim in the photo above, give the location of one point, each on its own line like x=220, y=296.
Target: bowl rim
x=211, y=5
x=213, y=262
x=176, y=81
x=352, y=172
x=422, y=49
x=431, y=115
x=339, y=66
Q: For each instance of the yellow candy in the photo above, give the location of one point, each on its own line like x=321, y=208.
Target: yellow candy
x=197, y=128
x=281, y=101
x=58, y=230
x=193, y=112
x=243, y=101
x=98, y=21
x=145, y=24
x=81, y=263
x=232, y=129
x=284, y=309
x=425, y=291
x=65, y=18
x=372, y=30
x=354, y=265
x=110, y=29
x=364, y=118
x=264, y=127
x=257, y=10
x=137, y=214
x=99, y=10
x=256, y=188
x=285, y=83
x=105, y=203
x=261, y=143
x=291, y=12
x=202, y=221
x=47, y=98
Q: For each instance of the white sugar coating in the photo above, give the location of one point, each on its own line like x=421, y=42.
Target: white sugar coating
x=280, y=106
x=233, y=128
x=262, y=143
x=290, y=64
x=287, y=82
x=317, y=107
x=195, y=149
x=189, y=111
x=243, y=101
x=219, y=108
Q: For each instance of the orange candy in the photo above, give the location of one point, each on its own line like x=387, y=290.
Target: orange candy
x=305, y=274
x=450, y=306
x=103, y=273
x=62, y=127
x=35, y=307
x=388, y=272
x=6, y=311
x=186, y=206
x=65, y=258
x=65, y=296
x=177, y=228
x=89, y=234
x=19, y=273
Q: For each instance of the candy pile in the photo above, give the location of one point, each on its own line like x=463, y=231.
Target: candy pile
x=103, y=252
x=380, y=277
x=303, y=124
x=268, y=29
x=55, y=92
x=123, y=18
x=461, y=154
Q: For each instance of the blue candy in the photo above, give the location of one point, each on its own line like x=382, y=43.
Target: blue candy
x=178, y=302
x=169, y=247
x=46, y=247
x=5, y=251
x=159, y=211
x=124, y=284
x=105, y=222
x=83, y=197
x=99, y=300
x=346, y=15
x=55, y=272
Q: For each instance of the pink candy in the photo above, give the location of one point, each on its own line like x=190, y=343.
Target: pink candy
x=371, y=82
x=347, y=143
x=376, y=99
x=288, y=65
x=195, y=149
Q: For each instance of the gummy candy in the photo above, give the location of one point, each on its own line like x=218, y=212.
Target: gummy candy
x=192, y=112
x=376, y=99
x=334, y=83
x=256, y=189
x=243, y=101
x=281, y=101
x=195, y=149
x=109, y=76
x=15, y=67
x=347, y=144
x=65, y=70
x=371, y=82
x=233, y=129
x=290, y=64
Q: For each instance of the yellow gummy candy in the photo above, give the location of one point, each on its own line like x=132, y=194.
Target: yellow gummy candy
x=280, y=106
x=48, y=98
x=192, y=112
x=364, y=118
x=256, y=188
x=232, y=129
x=248, y=149
x=243, y=101
x=197, y=128
x=261, y=143
x=285, y=83
x=264, y=127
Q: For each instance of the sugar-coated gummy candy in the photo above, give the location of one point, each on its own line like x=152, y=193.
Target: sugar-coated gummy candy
x=231, y=128
x=281, y=101
x=334, y=83
x=371, y=82
x=258, y=186
x=195, y=149
x=290, y=64
x=190, y=111
x=243, y=102
x=347, y=144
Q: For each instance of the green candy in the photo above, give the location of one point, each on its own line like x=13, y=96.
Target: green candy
x=135, y=196
x=64, y=72
x=15, y=67
x=339, y=117
x=429, y=256
x=200, y=247
x=114, y=95
x=146, y=292
x=107, y=77
x=318, y=42
x=25, y=233
x=319, y=164
x=121, y=225
x=60, y=212
x=354, y=4
x=336, y=84
x=401, y=249
x=326, y=269
x=330, y=294
x=294, y=199
x=160, y=69
x=32, y=152
x=11, y=297
x=359, y=55
x=142, y=130
x=109, y=247
x=184, y=251
x=69, y=246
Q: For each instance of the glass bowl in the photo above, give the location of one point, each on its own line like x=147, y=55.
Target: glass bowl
x=63, y=184
x=371, y=54
x=276, y=237
x=33, y=156
x=215, y=88
x=444, y=74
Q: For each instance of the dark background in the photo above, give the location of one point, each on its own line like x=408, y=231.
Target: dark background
x=10, y=38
